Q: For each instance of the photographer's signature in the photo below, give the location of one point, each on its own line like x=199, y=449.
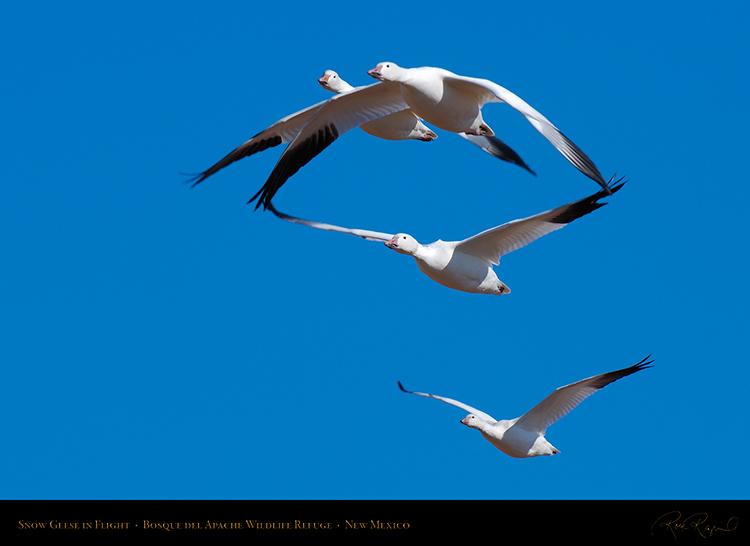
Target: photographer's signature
x=674, y=523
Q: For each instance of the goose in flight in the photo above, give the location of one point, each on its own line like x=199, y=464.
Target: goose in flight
x=439, y=97
x=454, y=103
x=405, y=124
x=467, y=265
x=524, y=436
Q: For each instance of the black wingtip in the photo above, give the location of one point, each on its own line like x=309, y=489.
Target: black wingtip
x=400, y=386
x=610, y=377
x=501, y=150
x=523, y=165
x=642, y=365
x=610, y=188
x=588, y=204
x=292, y=160
x=261, y=194
x=614, y=185
x=194, y=178
x=245, y=150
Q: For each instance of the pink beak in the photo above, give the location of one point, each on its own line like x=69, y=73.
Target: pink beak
x=375, y=72
x=393, y=243
x=323, y=80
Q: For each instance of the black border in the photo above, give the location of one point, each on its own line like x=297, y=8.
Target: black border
x=672, y=520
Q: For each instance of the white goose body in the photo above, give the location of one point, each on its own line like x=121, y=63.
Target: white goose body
x=523, y=437
x=514, y=441
x=445, y=264
x=431, y=97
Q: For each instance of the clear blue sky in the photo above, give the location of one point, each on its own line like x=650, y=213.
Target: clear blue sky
x=162, y=342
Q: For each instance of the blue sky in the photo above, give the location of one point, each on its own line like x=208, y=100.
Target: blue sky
x=162, y=342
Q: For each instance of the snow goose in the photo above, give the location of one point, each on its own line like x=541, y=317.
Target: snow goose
x=454, y=103
x=405, y=124
x=467, y=265
x=523, y=436
x=439, y=97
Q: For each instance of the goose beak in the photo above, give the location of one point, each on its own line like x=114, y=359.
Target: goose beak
x=375, y=73
x=323, y=80
x=393, y=243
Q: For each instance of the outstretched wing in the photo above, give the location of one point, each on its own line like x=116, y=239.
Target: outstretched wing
x=336, y=116
x=281, y=132
x=487, y=91
x=363, y=233
x=466, y=407
x=498, y=241
x=564, y=399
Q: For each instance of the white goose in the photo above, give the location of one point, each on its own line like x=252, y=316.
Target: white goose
x=439, y=97
x=467, y=265
x=454, y=103
x=523, y=436
x=404, y=124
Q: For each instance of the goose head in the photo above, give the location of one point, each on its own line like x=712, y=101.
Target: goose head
x=332, y=81
x=403, y=244
x=386, y=71
x=471, y=421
